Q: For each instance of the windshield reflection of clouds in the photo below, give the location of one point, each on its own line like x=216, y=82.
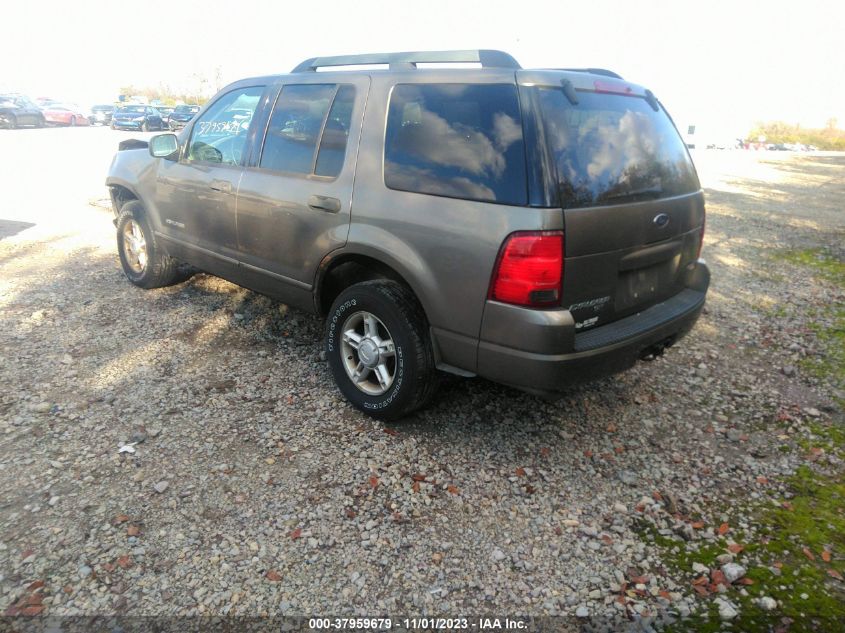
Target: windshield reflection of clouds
x=606, y=149
x=456, y=140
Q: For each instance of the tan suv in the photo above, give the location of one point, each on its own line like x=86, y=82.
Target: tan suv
x=535, y=227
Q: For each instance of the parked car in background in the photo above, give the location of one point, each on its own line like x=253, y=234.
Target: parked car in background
x=165, y=112
x=64, y=114
x=136, y=117
x=101, y=114
x=17, y=110
x=43, y=102
x=182, y=115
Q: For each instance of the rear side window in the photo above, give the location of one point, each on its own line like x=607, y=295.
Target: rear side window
x=456, y=140
x=610, y=149
x=308, y=129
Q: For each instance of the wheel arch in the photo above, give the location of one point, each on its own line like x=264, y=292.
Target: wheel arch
x=355, y=264
x=121, y=193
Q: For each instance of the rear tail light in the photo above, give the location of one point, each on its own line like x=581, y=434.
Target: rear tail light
x=529, y=269
x=701, y=242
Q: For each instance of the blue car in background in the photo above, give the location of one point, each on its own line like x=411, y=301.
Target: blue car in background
x=181, y=116
x=137, y=117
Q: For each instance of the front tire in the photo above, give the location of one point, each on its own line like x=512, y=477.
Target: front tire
x=42, y=122
x=145, y=127
x=379, y=350
x=144, y=262
x=73, y=121
x=12, y=122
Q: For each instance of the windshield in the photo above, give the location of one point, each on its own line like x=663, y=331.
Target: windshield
x=133, y=110
x=184, y=109
x=609, y=149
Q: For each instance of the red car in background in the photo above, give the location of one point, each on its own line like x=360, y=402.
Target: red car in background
x=64, y=114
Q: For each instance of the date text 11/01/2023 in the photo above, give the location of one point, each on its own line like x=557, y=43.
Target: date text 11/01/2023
x=417, y=624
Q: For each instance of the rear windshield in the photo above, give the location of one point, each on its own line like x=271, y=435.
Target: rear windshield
x=610, y=149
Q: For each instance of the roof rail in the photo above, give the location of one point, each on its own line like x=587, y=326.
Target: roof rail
x=408, y=60
x=594, y=71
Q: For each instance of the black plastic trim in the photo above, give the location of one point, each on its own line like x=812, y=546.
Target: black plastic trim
x=655, y=316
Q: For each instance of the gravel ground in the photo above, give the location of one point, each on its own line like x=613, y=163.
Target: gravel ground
x=250, y=487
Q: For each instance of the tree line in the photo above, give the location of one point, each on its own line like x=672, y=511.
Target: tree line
x=827, y=138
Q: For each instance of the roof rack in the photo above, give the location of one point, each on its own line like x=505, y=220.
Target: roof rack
x=594, y=71
x=408, y=60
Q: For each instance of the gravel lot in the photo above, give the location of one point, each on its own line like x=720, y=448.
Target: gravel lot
x=255, y=489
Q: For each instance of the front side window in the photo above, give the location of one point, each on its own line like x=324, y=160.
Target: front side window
x=613, y=148
x=456, y=140
x=308, y=129
x=219, y=136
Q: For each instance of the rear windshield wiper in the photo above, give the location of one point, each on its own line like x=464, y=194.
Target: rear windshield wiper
x=654, y=191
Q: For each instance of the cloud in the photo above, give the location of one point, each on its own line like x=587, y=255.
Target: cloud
x=408, y=178
x=434, y=140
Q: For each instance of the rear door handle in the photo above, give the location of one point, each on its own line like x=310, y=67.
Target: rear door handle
x=223, y=186
x=324, y=203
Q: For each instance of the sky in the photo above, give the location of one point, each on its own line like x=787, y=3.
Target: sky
x=719, y=65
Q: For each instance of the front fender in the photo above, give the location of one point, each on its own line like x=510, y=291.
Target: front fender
x=135, y=171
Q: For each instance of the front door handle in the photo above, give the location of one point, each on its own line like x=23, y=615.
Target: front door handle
x=223, y=186
x=324, y=203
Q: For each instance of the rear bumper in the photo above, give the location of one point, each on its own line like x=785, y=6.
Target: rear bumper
x=598, y=352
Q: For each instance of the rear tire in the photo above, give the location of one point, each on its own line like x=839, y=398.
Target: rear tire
x=145, y=127
x=379, y=349
x=73, y=121
x=144, y=262
x=42, y=122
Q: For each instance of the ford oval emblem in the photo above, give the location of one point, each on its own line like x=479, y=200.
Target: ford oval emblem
x=661, y=220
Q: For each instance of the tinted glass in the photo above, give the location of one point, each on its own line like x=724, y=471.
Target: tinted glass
x=610, y=149
x=295, y=127
x=133, y=110
x=219, y=135
x=457, y=140
x=335, y=133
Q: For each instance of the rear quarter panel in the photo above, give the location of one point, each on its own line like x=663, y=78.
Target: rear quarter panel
x=445, y=248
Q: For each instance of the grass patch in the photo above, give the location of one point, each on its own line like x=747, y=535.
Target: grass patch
x=808, y=595
x=822, y=262
x=829, y=323
x=797, y=552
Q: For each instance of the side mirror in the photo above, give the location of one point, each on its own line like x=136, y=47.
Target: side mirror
x=165, y=146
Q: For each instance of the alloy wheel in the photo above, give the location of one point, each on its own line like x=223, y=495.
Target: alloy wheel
x=135, y=247
x=368, y=353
